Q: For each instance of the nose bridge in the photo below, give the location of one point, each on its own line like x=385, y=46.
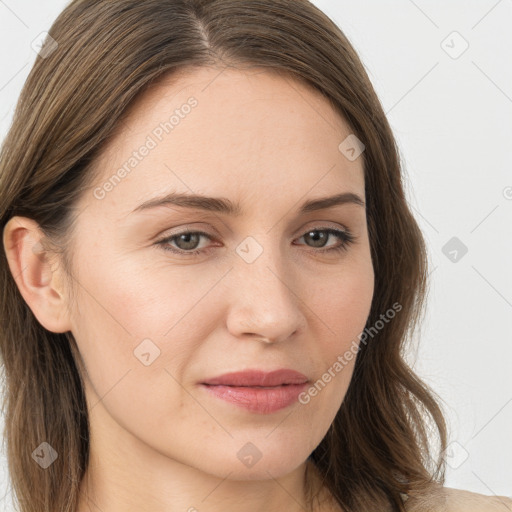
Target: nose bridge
x=264, y=301
x=260, y=260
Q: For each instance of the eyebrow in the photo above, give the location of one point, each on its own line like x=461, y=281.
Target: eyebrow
x=223, y=205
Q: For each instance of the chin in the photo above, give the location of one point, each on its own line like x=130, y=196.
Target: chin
x=274, y=464
x=245, y=463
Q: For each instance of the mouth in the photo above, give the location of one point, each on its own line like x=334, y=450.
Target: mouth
x=258, y=378
x=258, y=391
x=252, y=387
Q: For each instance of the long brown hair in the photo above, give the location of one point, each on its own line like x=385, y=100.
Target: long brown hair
x=381, y=443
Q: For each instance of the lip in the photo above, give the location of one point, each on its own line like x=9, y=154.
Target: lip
x=258, y=391
x=258, y=378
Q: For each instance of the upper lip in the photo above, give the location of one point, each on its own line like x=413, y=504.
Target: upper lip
x=258, y=378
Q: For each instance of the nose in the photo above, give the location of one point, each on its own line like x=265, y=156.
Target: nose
x=263, y=303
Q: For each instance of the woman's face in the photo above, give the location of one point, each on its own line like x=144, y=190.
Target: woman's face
x=262, y=293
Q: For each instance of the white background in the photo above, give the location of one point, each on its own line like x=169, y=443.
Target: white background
x=451, y=113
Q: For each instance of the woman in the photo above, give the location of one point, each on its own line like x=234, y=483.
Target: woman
x=211, y=271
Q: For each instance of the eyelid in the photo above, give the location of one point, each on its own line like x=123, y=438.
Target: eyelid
x=344, y=235
x=315, y=225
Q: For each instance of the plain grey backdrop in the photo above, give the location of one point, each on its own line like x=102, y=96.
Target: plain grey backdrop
x=443, y=72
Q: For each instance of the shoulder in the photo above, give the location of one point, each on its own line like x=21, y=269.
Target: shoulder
x=458, y=500
x=446, y=499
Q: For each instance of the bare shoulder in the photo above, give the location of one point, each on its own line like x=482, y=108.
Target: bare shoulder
x=446, y=499
x=458, y=500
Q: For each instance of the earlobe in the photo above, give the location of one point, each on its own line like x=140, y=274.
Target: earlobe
x=38, y=276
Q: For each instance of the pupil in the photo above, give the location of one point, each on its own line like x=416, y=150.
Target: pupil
x=317, y=237
x=186, y=238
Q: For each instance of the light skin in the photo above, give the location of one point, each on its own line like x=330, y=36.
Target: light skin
x=159, y=442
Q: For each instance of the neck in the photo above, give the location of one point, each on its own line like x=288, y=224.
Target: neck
x=125, y=474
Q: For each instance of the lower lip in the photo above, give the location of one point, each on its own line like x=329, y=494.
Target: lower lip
x=257, y=399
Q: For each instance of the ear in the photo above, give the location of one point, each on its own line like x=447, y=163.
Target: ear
x=37, y=273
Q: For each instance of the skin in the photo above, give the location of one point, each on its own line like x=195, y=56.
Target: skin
x=269, y=143
x=446, y=499
x=159, y=441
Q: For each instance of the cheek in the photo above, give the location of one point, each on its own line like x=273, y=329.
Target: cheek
x=345, y=319
x=132, y=328
x=341, y=305
x=343, y=301
x=132, y=367
x=140, y=301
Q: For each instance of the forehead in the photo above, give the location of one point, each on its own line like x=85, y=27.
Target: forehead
x=228, y=133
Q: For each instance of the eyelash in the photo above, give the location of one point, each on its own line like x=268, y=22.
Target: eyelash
x=345, y=236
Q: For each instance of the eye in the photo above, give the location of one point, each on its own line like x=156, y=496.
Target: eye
x=188, y=241
x=319, y=236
